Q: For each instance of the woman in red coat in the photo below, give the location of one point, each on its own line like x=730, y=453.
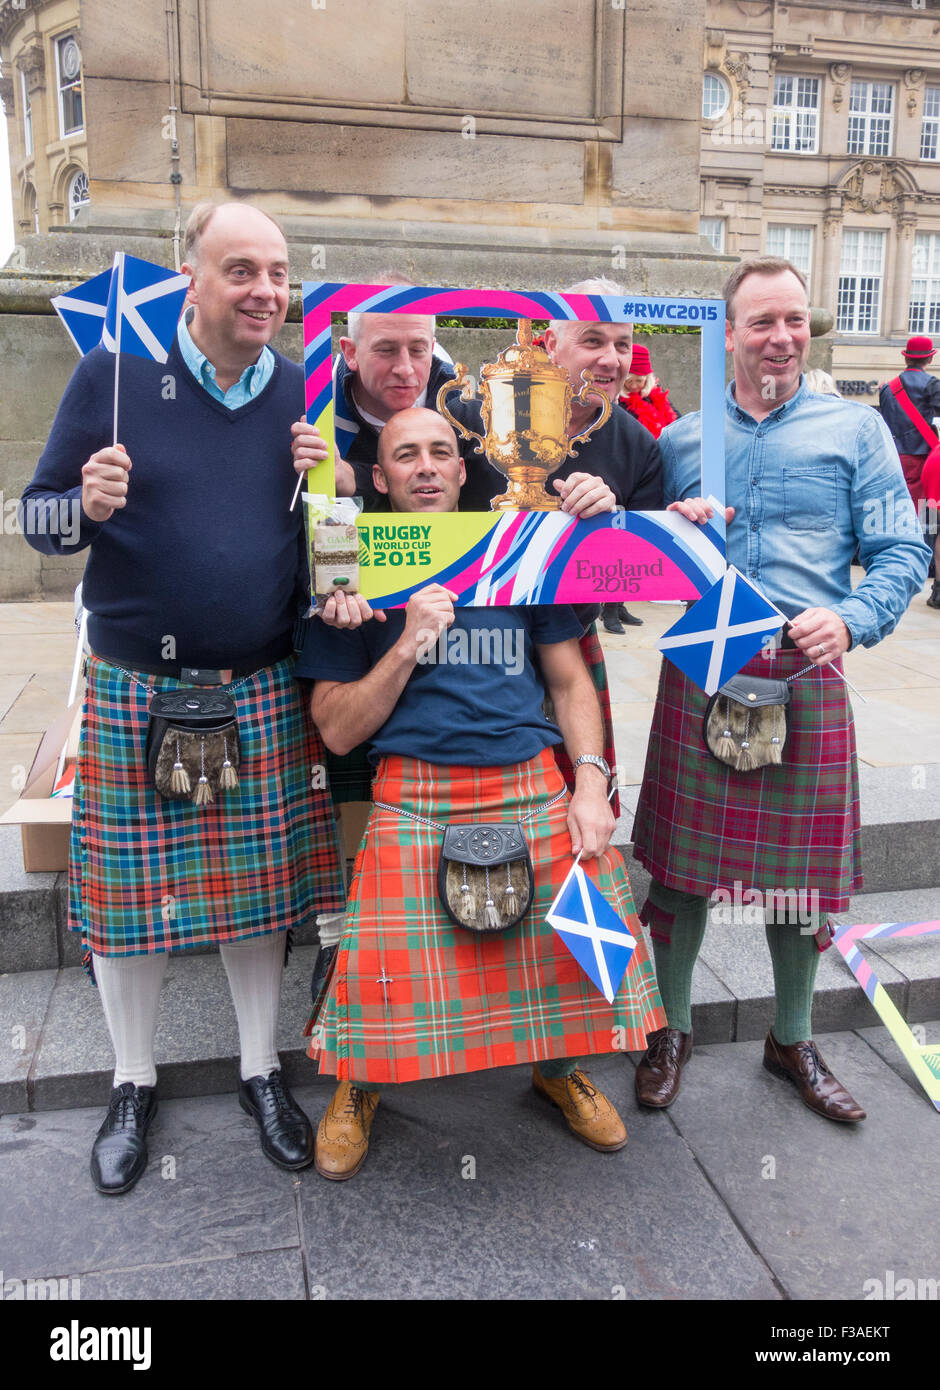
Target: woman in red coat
x=648, y=402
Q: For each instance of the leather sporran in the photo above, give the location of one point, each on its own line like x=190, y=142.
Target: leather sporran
x=193, y=749
x=484, y=876
x=746, y=722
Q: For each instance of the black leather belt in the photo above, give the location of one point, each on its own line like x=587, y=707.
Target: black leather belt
x=205, y=675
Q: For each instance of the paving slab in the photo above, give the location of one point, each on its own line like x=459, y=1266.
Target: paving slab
x=24, y=999
x=275, y=1274
x=845, y=1203
x=544, y=1217
x=225, y=1199
x=196, y=1045
x=883, y=1043
x=910, y=792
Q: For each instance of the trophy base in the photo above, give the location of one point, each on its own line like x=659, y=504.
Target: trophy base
x=525, y=497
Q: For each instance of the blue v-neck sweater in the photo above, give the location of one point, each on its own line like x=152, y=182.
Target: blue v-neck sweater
x=206, y=551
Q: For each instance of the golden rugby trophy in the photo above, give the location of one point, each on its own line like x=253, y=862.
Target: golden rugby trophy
x=526, y=403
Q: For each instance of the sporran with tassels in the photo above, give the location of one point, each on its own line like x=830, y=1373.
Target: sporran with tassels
x=746, y=722
x=193, y=749
x=485, y=881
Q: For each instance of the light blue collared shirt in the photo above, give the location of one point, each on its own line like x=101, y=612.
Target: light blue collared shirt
x=810, y=482
x=252, y=381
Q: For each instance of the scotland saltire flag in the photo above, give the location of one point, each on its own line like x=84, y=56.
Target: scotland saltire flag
x=144, y=306
x=721, y=631
x=597, y=938
x=82, y=310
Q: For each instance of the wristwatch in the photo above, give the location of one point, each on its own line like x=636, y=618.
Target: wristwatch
x=594, y=758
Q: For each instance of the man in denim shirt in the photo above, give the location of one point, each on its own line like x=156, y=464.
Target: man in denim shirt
x=812, y=478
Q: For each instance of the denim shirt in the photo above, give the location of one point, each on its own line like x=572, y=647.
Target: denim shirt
x=252, y=380
x=810, y=483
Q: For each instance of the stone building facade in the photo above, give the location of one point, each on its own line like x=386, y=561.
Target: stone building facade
x=821, y=142
x=43, y=96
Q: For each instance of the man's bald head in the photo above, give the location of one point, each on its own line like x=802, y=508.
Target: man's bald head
x=203, y=214
x=419, y=467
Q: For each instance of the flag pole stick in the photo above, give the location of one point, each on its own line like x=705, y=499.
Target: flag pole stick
x=117, y=364
x=300, y=478
x=119, y=314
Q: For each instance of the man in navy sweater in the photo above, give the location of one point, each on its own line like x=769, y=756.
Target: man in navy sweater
x=195, y=577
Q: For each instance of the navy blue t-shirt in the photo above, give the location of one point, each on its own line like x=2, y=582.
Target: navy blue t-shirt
x=474, y=701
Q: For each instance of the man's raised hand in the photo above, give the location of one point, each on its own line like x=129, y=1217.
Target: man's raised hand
x=104, y=483
x=427, y=613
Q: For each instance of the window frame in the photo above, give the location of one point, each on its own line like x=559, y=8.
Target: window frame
x=725, y=87
x=858, y=275
x=721, y=224
x=934, y=121
x=868, y=115
x=28, y=146
x=786, y=253
x=75, y=208
x=930, y=304
x=792, y=111
x=65, y=84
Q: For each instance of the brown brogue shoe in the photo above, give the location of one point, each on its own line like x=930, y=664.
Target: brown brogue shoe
x=343, y=1133
x=801, y=1063
x=589, y=1113
x=660, y=1070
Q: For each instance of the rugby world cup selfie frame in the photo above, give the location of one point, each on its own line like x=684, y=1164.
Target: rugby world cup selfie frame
x=503, y=558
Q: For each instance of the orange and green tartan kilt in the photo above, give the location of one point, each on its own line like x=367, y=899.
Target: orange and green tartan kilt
x=455, y=1001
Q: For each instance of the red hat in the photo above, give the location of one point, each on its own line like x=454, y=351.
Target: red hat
x=916, y=347
x=640, y=364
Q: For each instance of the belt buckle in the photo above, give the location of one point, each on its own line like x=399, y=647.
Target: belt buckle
x=202, y=675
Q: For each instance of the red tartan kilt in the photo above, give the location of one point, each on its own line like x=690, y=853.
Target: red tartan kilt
x=458, y=1001
x=701, y=826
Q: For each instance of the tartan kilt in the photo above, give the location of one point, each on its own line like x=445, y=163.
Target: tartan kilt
x=148, y=875
x=459, y=1001
x=700, y=825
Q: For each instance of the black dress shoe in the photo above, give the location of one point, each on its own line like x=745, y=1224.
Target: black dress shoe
x=933, y=600
x=286, y=1133
x=321, y=969
x=119, y=1154
x=610, y=619
x=625, y=616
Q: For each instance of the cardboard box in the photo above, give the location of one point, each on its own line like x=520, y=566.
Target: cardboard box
x=45, y=822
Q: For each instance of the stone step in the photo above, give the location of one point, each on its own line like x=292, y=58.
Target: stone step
x=61, y=1055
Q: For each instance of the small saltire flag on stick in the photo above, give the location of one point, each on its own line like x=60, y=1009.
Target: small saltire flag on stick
x=82, y=310
x=721, y=631
x=599, y=940
x=144, y=306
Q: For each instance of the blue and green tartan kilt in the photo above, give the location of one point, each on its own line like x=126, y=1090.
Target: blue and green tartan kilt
x=148, y=875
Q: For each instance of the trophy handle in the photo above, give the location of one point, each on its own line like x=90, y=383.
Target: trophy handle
x=466, y=394
x=589, y=389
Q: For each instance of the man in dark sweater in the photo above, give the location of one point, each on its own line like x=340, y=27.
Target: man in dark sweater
x=196, y=576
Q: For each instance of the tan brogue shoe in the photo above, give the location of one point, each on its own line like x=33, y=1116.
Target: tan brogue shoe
x=343, y=1134
x=801, y=1063
x=589, y=1113
x=660, y=1069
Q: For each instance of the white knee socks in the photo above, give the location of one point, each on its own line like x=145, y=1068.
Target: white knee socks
x=129, y=987
x=254, y=975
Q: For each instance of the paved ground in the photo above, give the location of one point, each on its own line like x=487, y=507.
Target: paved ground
x=475, y=1189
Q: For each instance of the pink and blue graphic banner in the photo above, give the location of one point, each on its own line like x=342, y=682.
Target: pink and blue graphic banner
x=544, y=557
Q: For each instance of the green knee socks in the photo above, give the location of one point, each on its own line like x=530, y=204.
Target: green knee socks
x=795, y=958
x=675, y=960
